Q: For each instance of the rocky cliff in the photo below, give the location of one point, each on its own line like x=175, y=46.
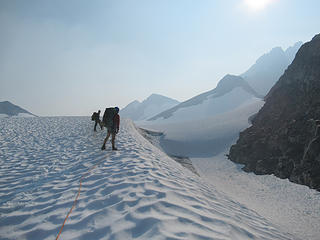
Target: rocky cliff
x=284, y=138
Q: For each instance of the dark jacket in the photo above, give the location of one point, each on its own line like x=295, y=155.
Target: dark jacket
x=96, y=116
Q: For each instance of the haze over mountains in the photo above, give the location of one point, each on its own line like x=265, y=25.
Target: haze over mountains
x=208, y=123
x=154, y=104
x=269, y=68
x=285, y=136
x=231, y=92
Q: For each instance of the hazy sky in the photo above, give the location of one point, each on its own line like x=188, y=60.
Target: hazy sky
x=72, y=57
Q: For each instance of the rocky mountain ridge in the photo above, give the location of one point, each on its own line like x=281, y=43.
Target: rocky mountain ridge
x=285, y=136
x=266, y=71
x=256, y=81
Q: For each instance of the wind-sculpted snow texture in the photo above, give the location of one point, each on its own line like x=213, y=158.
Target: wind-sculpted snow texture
x=134, y=193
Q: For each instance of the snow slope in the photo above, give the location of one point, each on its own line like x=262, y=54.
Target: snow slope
x=294, y=208
x=231, y=92
x=204, y=137
x=151, y=106
x=137, y=192
x=2, y=115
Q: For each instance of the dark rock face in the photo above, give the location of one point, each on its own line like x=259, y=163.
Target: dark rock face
x=285, y=136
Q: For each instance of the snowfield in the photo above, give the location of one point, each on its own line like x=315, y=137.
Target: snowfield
x=137, y=192
x=292, y=207
x=23, y=115
x=204, y=137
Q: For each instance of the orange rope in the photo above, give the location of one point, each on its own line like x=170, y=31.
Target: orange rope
x=78, y=194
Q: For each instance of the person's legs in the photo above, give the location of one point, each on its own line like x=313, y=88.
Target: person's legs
x=105, y=141
x=95, y=126
x=112, y=141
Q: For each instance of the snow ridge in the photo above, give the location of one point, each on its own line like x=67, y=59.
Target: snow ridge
x=137, y=192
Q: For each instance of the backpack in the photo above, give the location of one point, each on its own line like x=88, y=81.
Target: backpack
x=93, y=117
x=108, y=116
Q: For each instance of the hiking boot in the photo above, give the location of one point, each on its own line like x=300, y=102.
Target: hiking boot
x=103, y=147
x=114, y=148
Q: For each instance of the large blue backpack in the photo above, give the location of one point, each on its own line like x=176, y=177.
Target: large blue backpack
x=108, y=117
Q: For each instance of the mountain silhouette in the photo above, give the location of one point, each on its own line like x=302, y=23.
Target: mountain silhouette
x=151, y=106
x=10, y=109
x=284, y=139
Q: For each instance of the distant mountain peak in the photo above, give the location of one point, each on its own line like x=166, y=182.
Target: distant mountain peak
x=229, y=82
x=134, y=104
x=157, y=97
x=284, y=138
x=256, y=81
x=225, y=86
x=149, y=107
x=269, y=67
x=276, y=50
x=10, y=109
x=291, y=51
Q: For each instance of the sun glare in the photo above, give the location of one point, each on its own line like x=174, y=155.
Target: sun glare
x=257, y=5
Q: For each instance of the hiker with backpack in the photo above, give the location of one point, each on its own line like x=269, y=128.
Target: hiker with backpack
x=96, y=117
x=111, y=120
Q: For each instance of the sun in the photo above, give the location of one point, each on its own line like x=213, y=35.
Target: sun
x=257, y=5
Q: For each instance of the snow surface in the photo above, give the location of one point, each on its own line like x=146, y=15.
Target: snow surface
x=137, y=192
x=24, y=115
x=203, y=137
x=211, y=106
x=2, y=115
x=214, y=105
x=294, y=208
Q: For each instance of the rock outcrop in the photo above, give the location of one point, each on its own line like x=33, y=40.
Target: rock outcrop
x=284, y=138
